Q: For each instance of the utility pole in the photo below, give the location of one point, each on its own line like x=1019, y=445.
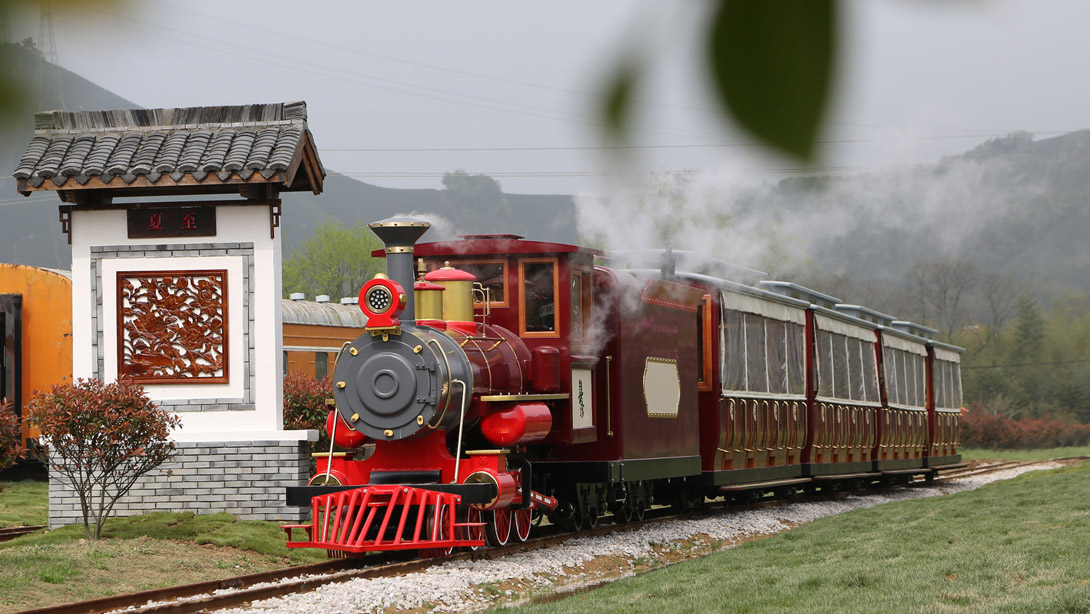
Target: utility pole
x=47, y=43
x=5, y=25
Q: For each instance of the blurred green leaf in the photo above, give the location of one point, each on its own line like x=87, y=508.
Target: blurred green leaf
x=771, y=64
x=618, y=99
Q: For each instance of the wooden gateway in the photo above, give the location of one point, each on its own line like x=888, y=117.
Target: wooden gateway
x=172, y=215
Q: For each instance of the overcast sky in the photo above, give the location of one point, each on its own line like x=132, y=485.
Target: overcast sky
x=401, y=92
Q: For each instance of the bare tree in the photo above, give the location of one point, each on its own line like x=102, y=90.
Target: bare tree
x=942, y=285
x=919, y=278
x=999, y=293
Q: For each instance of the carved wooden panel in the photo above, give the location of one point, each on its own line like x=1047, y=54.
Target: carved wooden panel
x=172, y=326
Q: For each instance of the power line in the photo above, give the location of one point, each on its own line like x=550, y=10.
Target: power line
x=341, y=76
x=446, y=69
x=668, y=146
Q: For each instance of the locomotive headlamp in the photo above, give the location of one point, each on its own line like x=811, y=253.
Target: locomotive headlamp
x=381, y=300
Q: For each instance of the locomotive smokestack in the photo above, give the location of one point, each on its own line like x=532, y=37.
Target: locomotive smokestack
x=399, y=234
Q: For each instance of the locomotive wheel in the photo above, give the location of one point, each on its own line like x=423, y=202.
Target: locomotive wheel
x=444, y=533
x=474, y=515
x=573, y=523
x=590, y=521
x=522, y=521
x=641, y=511
x=624, y=513
x=497, y=527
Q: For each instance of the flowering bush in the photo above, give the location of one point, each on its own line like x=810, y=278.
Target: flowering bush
x=99, y=439
x=305, y=404
x=981, y=429
x=11, y=434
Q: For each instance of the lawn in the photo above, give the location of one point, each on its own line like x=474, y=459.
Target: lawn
x=1021, y=545
x=1023, y=455
x=24, y=503
x=138, y=553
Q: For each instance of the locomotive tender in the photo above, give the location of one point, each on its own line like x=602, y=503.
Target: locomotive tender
x=517, y=379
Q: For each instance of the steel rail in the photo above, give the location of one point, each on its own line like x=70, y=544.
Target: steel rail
x=13, y=532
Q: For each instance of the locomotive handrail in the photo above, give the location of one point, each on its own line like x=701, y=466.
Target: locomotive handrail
x=503, y=398
x=609, y=407
x=486, y=299
x=446, y=405
x=332, y=437
x=461, y=424
x=469, y=338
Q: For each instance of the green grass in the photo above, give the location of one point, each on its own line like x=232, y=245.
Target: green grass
x=137, y=553
x=1023, y=455
x=1021, y=545
x=24, y=503
x=203, y=529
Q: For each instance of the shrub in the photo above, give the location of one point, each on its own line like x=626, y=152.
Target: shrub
x=981, y=429
x=99, y=439
x=305, y=404
x=11, y=435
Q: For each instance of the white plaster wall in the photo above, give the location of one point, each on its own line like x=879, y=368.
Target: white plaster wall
x=82, y=305
x=235, y=224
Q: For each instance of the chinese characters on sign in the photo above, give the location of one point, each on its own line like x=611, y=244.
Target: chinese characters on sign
x=172, y=326
x=182, y=221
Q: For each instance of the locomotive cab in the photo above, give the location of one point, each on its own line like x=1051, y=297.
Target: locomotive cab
x=542, y=293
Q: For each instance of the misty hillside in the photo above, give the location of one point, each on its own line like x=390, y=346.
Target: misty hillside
x=540, y=217
x=1012, y=207
x=30, y=232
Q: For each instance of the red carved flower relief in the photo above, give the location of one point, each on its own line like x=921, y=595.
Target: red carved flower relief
x=172, y=326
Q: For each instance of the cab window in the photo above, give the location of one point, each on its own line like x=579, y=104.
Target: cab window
x=538, y=297
x=492, y=274
x=580, y=307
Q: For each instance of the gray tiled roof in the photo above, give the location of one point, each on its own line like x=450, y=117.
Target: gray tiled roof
x=152, y=143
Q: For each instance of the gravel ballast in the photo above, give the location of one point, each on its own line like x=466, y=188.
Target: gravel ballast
x=583, y=561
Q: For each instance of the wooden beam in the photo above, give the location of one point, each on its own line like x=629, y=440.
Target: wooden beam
x=314, y=168
x=181, y=203
x=165, y=181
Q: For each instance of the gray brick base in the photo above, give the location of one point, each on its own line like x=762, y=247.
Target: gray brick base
x=246, y=479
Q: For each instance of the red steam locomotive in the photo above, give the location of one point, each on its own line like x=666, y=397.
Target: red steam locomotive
x=519, y=380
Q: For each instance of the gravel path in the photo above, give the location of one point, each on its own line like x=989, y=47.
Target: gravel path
x=468, y=586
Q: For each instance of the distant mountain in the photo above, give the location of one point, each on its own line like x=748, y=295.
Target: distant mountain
x=1011, y=206
x=29, y=230
x=540, y=217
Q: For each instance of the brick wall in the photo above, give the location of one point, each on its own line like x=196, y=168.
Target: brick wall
x=246, y=479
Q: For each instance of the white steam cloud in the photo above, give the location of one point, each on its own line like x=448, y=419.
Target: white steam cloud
x=785, y=227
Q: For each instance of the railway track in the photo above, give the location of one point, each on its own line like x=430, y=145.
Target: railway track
x=215, y=595
x=13, y=532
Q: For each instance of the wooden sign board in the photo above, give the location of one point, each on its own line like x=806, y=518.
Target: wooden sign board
x=179, y=221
